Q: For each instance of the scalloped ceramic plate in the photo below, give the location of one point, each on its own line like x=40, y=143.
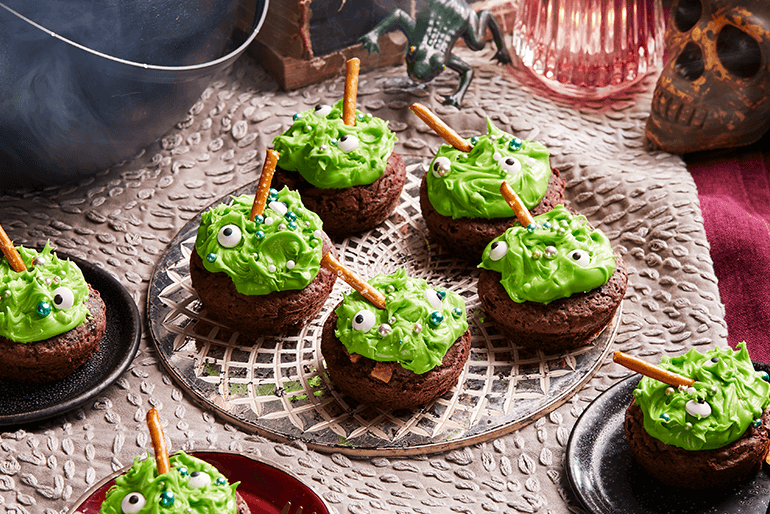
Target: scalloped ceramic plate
x=606, y=478
x=278, y=386
x=264, y=486
x=24, y=403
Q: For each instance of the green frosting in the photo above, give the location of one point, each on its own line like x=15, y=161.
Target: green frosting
x=467, y=185
x=278, y=251
x=46, y=300
x=561, y=257
x=734, y=393
x=416, y=329
x=332, y=155
x=191, y=494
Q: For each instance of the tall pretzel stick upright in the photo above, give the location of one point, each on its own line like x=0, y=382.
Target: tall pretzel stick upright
x=440, y=128
x=158, y=441
x=351, y=91
x=11, y=253
x=353, y=280
x=649, y=370
x=263, y=189
x=525, y=217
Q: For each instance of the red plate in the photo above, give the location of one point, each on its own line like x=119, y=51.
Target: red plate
x=265, y=486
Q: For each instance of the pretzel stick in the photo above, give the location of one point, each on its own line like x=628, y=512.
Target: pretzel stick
x=441, y=128
x=263, y=189
x=158, y=441
x=525, y=217
x=353, y=280
x=11, y=253
x=351, y=91
x=649, y=370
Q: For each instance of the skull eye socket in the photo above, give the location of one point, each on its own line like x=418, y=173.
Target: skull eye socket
x=738, y=52
x=686, y=14
x=689, y=64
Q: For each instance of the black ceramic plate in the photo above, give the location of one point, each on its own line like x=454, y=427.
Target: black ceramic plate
x=23, y=403
x=606, y=478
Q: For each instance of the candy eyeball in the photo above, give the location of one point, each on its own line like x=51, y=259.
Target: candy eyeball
x=348, y=143
x=322, y=110
x=363, y=320
x=198, y=479
x=441, y=166
x=132, y=502
x=229, y=236
x=580, y=257
x=510, y=165
x=498, y=250
x=433, y=298
x=63, y=298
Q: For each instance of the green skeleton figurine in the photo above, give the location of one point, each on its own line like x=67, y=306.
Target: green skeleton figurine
x=433, y=34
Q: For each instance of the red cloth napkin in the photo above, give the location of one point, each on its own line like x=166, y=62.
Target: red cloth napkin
x=734, y=192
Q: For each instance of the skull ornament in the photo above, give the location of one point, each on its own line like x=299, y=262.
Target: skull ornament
x=714, y=90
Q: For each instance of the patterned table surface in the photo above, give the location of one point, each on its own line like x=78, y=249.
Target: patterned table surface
x=122, y=219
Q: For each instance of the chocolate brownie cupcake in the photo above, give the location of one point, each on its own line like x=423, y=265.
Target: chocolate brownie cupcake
x=348, y=175
x=709, y=435
x=51, y=320
x=191, y=485
x=401, y=357
x=552, y=287
x=460, y=194
x=263, y=276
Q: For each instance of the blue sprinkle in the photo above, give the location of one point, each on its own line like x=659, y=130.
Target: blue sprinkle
x=259, y=219
x=183, y=471
x=457, y=312
x=436, y=318
x=474, y=140
x=211, y=257
x=764, y=376
x=292, y=225
x=333, y=142
x=290, y=216
x=43, y=309
x=532, y=227
x=546, y=225
x=259, y=235
x=220, y=481
x=360, y=116
x=756, y=423
x=665, y=416
x=515, y=144
x=297, y=116
x=167, y=498
x=441, y=295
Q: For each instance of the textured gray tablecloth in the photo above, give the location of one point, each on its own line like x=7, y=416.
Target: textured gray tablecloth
x=123, y=218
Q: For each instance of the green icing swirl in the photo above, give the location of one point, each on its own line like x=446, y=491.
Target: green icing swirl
x=471, y=189
x=142, y=477
x=562, y=257
x=22, y=293
x=277, y=256
x=413, y=340
x=311, y=147
x=735, y=392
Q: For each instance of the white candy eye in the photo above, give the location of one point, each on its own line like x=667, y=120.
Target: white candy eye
x=229, y=236
x=441, y=166
x=132, y=502
x=198, y=479
x=63, y=298
x=511, y=165
x=498, y=250
x=322, y=110
x=699, y=409
x=348, y=143
x=433, y=299
x=363, y=320
x=580, y=257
